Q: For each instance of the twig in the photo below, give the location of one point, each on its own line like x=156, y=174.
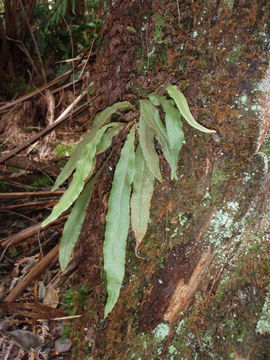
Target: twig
x=30, y=165
x=37, y=91
x=51, y=83
x=37, y=205
x=36, y=137
x=26, y=194
x=67, y=317
x=26, y=233
x=45, y=263
x=32, y=310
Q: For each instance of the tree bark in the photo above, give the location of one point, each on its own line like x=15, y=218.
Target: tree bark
x=200, y=291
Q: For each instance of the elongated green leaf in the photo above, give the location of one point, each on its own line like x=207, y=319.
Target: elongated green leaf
x=163, y=140
x=175, y=133
x=74, y=224
x=84, y=168
x=143, y=186
x=183, y=107
x=146, y=136
x=102, y=118
x=75, y=220
x=106, y=140
x=117, y=222
x=105, y=116
x=150, y=114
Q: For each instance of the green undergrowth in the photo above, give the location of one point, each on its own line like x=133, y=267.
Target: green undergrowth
x=74, y=298
x=62, y=150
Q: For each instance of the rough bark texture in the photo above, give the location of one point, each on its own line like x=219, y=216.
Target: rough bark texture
x=201, y=289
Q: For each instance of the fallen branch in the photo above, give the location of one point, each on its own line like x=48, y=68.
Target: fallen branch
x=26, y=194
x=42, y=133
x=37, y=91
x=30, y=206
x=30, y=165
x=15, y=239
x=32, y=310
x=38, y=269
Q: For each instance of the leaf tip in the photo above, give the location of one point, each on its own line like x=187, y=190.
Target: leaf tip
x=136, y=252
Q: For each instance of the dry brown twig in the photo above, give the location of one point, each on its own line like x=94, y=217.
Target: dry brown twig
x=45, y=263
x=45, y=131
x=30, y=206
x=16, y=195
x=15, y=239
x=31, y=165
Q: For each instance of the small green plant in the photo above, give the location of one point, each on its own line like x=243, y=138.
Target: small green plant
x=63, y=150
x=73, y=298
x=133, y=183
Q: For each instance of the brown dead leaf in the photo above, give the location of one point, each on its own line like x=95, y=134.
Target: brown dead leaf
x=51, y=298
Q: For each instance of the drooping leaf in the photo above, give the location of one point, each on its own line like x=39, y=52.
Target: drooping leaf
x=183, y=107
x=150, y=114
x=105, y=116
x=74, y=224
x=76, y=218
x=106, y=140
x=175, y=133
x=84, y=168
x=143, y=186
x=101, y=119
x=146, y=136
x=117, y=222
x=163, y=140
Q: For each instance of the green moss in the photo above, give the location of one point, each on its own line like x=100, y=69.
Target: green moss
x=229, y=4
x=14, y=169
x=266, y=146
x=149, y=346
x=230, y=322
x=234, y=56
x=219, y=177
x=160, y=26
x=62, y=150
x=74, y=298
x=13, y=252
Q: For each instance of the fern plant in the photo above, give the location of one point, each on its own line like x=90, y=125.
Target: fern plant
x=133, y=182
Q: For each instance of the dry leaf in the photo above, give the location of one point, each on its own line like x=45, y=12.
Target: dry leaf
x=51, y=298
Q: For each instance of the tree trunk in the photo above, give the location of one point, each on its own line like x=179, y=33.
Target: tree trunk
x=200, y=291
